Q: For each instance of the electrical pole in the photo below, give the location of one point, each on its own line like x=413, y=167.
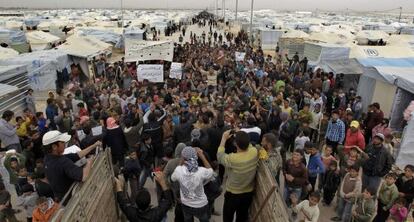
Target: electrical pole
x=251, y=19
x=399, y=17
x=122, y=13
x=216, y=8
x=237, y=7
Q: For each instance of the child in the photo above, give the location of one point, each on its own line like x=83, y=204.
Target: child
x=42, y=123
x=21, y=180
x=6, y=211
x=314, y=164
x=353, y=158
x=388, y=193
x=398, y=211
x=331, y=182
x=146, y=158
x=45, y=209
x=327, y=158
x=405, y=183
x=301, y=139
x=132, y=171
x=350, y=188
x=27, y=200
x=28, y=154
x=388, y=144
x=307, y=209
x=365, y=206
x=82, y=110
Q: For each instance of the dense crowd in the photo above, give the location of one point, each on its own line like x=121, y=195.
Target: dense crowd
x=212, y=126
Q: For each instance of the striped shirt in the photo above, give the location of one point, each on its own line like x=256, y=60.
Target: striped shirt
x=336, y=131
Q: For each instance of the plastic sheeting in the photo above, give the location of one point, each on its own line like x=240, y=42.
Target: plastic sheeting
x=6, y=53
x=40, y=40
x=41, y=67
x=32, y=22
x=103, y=35
x=12, y=37
x=406, y=152
x=317, y=52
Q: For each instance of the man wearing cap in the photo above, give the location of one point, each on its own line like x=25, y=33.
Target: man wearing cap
x=378, y=162
x=354, y=137
x=61, y=170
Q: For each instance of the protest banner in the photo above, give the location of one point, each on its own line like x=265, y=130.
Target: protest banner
x=176, y=71
x=152, y=73
x=138, y=50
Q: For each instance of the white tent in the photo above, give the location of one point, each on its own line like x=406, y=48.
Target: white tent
x=351, y=69
x=41, y=67
x=40, y=40
x=406, y=152
x=388, y=51
x=6, y=53
x=85, y=47
x=363, y=37
x=15, y=39
x=270, y=37
x=317, y=52
x=390, y=82
x=13, y=86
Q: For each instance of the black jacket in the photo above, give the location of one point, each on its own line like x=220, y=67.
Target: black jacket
x=378, y=163
x=115, y=139
x=406, y=187
x=154, y=214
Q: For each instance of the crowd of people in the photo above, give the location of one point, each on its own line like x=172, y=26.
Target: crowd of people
x=211, y=127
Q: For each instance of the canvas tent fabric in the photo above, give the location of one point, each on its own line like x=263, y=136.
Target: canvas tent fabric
x=351, y=69
x=13, y=86
x=270, y=37
x=41, y=67
x=406, y=152
x=85, y=47
x=12, y=37
x=317, y=52
x=40, y=40
x=107, y=36
x=6, y=53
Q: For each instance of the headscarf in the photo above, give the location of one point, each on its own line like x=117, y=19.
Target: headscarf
x=189, y=154
x=178, y=149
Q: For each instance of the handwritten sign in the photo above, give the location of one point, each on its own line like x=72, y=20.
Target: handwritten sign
x=138, y=50
x=152, y=73
x=97, y=131
x=176, y=71
x=240, y=56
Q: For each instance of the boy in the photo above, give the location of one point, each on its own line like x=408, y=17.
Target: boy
x=365, y=206
x=42, y=123
x=327, y=158
x=27, y=200
x=388, y=193
x=314, y=164
x=330, y=182
x=307, y=209
x=350, y=188
x=45, y=209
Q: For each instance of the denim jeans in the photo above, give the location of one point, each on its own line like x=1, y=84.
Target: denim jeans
x=201, y=213
x=344, y=209
x=371, y=181
x=289, y=190
x=145, y=173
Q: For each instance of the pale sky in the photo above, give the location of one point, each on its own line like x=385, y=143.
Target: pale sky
x=337, y=5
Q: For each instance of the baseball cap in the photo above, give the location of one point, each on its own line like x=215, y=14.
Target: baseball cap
x=355, y=124
x=380, y=135
x=55, y=136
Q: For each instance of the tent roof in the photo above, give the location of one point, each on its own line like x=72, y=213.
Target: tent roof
x=396, y=71
x=351, y=66
x=84, y=46
x=388, y=51
x=40, y=37
x=295, y=34
x=6, y=53
x=6, y=89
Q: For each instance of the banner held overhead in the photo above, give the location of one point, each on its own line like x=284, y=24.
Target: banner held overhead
x=137, y=50
x=152, y=73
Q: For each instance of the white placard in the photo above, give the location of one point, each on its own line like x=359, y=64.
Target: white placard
x=138, y=50
x=176, y=71
x=97, y=131
x=81, y=135
x=152, y=73
x=240, y=56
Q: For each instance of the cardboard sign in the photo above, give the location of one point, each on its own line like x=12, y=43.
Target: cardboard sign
x=97, y=131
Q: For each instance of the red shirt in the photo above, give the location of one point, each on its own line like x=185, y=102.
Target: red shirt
x=83, y=112
x=354, y=139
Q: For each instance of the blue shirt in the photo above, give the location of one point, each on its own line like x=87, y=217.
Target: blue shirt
x=336, y=131
x=315, y=165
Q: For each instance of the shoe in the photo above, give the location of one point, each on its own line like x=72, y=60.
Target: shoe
x=335, y=219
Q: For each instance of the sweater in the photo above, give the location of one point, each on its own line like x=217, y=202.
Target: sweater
x=312, y=212
x=240, y=168
x=365, y=210
x=350, y=186
x=299, y=172
x=388, y=194
x=399, y=214
x=315, y=165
